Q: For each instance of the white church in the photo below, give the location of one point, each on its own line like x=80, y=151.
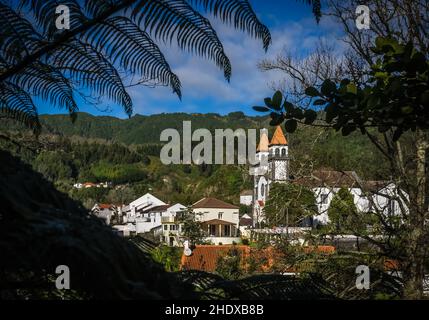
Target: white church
x=273, y=167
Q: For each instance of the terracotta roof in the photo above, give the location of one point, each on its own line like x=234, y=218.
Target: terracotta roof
x=320, y=249
x=105, y=206
x=329, y=178
x=278, y=137
x=263, y=142
x=213, y=203
x=204, y=258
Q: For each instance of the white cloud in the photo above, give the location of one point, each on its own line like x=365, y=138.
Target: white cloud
x=203, y=82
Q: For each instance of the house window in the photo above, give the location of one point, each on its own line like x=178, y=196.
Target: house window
x=220, y=215
x=165, y=227
x=173, y=227
x=324, y=198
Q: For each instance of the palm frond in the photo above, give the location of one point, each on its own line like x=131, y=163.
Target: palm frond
x=17, y=36
x=106, y=35
x=169, y=19
x=91, y=69
x=126, y=44
x=240, y=14
x=46, y=82
x=46, y=16
x=17, y=104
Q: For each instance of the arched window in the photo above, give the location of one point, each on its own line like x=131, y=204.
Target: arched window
x=277, y=152
x=284, y=152
x=262, y=189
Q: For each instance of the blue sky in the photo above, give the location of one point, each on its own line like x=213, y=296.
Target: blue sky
x=204, y=89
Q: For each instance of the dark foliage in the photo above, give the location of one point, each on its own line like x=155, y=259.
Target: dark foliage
x=42, y=228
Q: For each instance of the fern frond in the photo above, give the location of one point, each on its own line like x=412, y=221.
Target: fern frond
x=45, y=15
x=240, y=14
x=46, y=82
x=126, y=44
x=91, y=69
x=16, y=104
x=169, y=19
x=17, y=36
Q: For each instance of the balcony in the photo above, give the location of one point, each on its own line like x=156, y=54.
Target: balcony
x=169, y=220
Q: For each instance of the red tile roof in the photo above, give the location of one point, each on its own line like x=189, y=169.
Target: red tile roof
x=320, y=249
x=205, y=257
x=105, y=206
x=213, y=203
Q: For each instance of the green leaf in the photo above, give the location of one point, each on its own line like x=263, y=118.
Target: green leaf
x=291, y=125
x=351, y=88
x=312, y=92
x=276, y=119
x=297, y=113
x=268, y=102
x=328, y=87
x=277, y=100
x=261, y=109
x=289, y=107
x=310, y=116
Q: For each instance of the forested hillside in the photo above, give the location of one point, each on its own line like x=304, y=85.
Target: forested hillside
x=126, y=153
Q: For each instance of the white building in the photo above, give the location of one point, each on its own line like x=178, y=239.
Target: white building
x=368, y=196
x=273, y=157
x=273, y=166
x=136, y=208
x=246, y=197
x=220, y=220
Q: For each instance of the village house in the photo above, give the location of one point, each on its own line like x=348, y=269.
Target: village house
x=367, y=195
x=107, y=212
x=219, y=219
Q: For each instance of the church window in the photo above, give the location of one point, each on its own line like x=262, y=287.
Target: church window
x=262, y=190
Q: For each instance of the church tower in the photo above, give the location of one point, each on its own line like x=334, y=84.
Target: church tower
x=260, y=175
x=278, y=159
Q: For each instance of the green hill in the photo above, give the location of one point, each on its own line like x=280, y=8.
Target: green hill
x=126, y=152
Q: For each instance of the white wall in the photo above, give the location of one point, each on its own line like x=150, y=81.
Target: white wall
x=223, y=240
x=360, y=200
x=147, y=200
x=246, y=200
x=206, y=214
